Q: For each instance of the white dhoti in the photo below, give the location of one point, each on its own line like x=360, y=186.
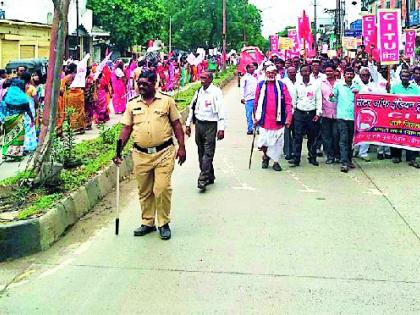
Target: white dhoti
x=273, y=140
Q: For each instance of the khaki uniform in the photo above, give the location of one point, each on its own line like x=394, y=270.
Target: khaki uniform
x=152, y=127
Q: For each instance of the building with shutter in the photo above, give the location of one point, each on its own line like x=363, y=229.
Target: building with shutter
x=23, y=40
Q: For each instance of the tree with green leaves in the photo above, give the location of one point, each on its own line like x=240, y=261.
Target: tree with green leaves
x=130, y=22
x=195, y=23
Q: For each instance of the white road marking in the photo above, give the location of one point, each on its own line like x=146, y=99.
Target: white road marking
x=306, y=188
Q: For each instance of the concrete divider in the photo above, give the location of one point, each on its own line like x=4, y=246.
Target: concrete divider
x=22, y=238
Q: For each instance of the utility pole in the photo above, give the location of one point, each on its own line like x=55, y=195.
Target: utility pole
x=338, y=21
x=315, y=18
x=224, y=35
x=407, y=14
x=78, y=52
x=170, y=34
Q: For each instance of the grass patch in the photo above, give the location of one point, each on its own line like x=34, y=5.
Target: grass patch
x=95, y=155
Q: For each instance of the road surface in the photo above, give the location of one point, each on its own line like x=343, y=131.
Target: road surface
x=308, y=240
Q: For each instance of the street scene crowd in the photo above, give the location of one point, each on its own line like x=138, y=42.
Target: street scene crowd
x=87, y=93
x=317, y=101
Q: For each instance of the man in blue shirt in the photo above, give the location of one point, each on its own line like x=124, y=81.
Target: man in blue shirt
x=405, y=87
x=343, y=94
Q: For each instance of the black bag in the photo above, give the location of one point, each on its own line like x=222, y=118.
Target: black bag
x=194, y=105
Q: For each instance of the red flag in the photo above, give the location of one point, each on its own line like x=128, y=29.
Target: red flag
x=246, y=59
x=304, y=27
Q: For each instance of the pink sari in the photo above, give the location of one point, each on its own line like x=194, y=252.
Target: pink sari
x=119, y=97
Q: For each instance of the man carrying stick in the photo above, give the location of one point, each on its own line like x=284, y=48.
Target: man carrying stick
x=273, y=111
x=153, y=119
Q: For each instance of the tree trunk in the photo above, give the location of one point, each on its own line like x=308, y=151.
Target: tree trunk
x=52, y=88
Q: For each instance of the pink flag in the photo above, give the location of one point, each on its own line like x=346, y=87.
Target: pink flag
x=369, y=32
x=304, y=27
x=389, y=21
x=292, y=34
x=274, y=43
x=410, y=43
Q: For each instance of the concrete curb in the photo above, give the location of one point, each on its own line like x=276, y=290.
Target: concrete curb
x=19, y=239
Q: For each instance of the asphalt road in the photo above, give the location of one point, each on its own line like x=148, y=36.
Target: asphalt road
x=309, y=240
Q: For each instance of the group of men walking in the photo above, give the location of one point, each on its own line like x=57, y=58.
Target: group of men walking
x=287, y=104
x=283, y=104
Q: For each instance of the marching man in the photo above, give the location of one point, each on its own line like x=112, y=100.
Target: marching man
x=273, y=111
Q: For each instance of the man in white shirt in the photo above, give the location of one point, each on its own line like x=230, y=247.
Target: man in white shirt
x=316, y=75
x=207, y=111
x=307, y=112
x=248, y=87
x=369, y=86
x=291, y=82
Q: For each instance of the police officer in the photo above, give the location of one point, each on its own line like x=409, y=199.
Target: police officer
x=153, y=118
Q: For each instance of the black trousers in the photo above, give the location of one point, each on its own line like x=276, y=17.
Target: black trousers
x=330, y=137
x=346, y=132
x=304, y=124
x=409, y=155
x=205, y=138
x=288, y=141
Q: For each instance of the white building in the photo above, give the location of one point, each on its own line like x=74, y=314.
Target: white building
x=92, y=39
x=41, y=11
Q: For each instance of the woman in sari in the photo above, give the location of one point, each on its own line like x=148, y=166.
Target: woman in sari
x=39, y=84
x=13, y=112
x=90, y=98
x=101, y=115
x=119, y=97
x=129, y=73
x=31, y=140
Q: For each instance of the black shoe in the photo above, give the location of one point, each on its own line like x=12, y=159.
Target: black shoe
x=329, y=161
x=319, y=153
x=388, y=157
x=396, y=160
x=293, y=163
x=143, y=230
x=380, y=156
x=288, y=157
x=277, y=167
x=250, y=133
x=202, y=184
x=211, y=181
x=313, y=162
x=344, y=168
x=265, y=163
x=351, y=165
x=165, y=232
x=337, y=161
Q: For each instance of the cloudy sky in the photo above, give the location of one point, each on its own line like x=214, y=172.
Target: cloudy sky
x=278, y=14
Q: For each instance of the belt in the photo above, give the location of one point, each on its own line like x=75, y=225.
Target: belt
x=155, y=149
x=306, y=111
x=209, y=122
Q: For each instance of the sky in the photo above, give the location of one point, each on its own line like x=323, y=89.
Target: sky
x=277, y=14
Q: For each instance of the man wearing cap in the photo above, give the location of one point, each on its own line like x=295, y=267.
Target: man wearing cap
x=248, y=87
x=273, y=111
x=153, y=119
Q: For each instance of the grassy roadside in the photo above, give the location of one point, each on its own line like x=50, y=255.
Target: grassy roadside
x=94, y=154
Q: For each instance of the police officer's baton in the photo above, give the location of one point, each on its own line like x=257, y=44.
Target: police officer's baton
x=117, y=219
x=252, y=147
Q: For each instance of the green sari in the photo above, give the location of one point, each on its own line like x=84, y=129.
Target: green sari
x=14, y=137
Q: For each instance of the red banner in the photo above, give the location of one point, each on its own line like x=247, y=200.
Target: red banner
x=369, y=32
x=385, y=119
x=304, y=27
